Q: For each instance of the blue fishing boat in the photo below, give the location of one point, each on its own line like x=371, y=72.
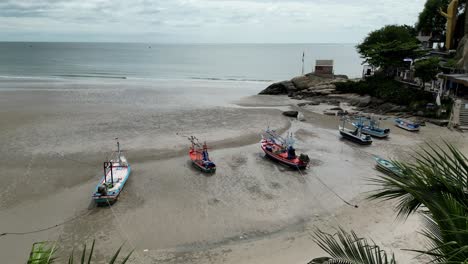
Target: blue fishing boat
x=407, y=124
x=387, y=167
x=372, y=128
x=116, y=173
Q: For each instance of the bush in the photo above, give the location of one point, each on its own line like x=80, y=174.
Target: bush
x=388, y=90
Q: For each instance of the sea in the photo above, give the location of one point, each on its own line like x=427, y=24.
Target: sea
x=230, y=62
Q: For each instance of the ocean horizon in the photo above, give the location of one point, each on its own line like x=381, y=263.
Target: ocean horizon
x=199, y=61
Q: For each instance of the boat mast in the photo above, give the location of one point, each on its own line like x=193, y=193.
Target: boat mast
x=118, y=149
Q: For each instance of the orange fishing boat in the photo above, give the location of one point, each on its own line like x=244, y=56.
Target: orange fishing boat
x=282, y=150
x=199, y=156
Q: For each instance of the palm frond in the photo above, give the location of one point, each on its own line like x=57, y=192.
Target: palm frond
x=344, y=247
x=436, y=182
x=42, y=253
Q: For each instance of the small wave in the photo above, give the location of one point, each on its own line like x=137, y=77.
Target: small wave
x=230, y=79
x=106, y=76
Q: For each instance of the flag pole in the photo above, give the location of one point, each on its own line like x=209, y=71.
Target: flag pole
x=303, y=54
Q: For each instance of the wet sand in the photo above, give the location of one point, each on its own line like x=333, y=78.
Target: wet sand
x=55, y=135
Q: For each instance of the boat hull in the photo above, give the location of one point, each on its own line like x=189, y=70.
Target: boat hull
x=387, y=167
x=294, y=163
x=406, y=125
x=199, y=164
x=354, y=139
x=113, y=196
x=203, y=168
x=375, y=134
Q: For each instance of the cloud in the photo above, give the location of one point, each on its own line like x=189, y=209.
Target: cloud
x=203, y=20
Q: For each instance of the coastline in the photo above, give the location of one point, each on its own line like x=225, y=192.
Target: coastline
x=170, y=209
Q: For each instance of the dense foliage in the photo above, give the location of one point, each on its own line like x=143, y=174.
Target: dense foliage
x=389, y=46
x=427, y=69
x=430, y=20
x=386, y=89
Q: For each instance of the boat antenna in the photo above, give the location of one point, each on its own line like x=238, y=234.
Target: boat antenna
x=118, y=148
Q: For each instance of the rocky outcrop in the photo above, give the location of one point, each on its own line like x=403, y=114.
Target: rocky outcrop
x=279, y=88
x=304, y=86
x=291, y=113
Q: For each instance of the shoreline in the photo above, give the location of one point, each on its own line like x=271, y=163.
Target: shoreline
x=174, y=212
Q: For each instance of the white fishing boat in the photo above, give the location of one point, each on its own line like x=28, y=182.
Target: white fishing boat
x=354, y=135
x=116, y=173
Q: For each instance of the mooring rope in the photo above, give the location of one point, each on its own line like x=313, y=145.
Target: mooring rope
x=330, y=189
x=46, y=228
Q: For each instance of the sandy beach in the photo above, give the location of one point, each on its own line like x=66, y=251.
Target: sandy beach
x=57, y=132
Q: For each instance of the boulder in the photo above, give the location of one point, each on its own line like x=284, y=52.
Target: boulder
x=361, y=101
x=279, y=88
x=301, y=82
x=291, y=113
x=300, y=116
x=308, y=103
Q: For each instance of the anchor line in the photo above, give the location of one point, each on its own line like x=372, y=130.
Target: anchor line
x=330, y=189
x=46, y=228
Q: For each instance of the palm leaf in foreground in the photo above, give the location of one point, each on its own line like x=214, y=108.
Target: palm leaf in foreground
x=436, y=184
x=348, y=248
x=42, y=253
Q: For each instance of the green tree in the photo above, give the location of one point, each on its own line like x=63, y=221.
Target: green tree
x=435, y=185
x=430, y=20
x=427, y=69
x=387, y=47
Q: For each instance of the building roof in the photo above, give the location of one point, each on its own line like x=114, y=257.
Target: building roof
x=324, y=63
x=457, y=78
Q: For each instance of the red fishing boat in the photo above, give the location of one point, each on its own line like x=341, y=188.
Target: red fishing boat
x=199, y=156
x=282, y=150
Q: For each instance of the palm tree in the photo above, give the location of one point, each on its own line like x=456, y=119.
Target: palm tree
x=346, y=248
x=43, y=253
x=436, y=185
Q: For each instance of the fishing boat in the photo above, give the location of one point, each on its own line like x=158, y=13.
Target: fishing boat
x=282, y=150
x=407, y=124
x=372, y=128
x=387, y=167
x=354, y=135
x=116, y=173
x=199, y=156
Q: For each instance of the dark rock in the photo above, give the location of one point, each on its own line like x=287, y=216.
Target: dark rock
x=438, y=122
x=342, y=113
x=279, y=88
x=291, y=113
x=336, y=109
x=322, y=260
x=314, y=103
x=333, y=102
x=420, y=113
x=302, y=104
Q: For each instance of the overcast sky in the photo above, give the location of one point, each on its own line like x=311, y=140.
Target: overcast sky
x=205, y=21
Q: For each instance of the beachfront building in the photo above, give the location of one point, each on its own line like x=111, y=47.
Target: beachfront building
x=324, y=68
x=456, y=86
